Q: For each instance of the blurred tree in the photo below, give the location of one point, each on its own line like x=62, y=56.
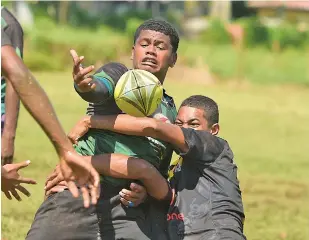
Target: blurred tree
x=63, y=11
x=221, y=10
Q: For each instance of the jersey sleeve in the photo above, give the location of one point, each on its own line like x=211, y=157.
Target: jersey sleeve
x=17, y=38
x=204, y=148
x=5, y=40
x=104, y=89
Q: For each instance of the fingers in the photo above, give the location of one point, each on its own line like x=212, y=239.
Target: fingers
x=8, y=195
x=56, y=189
x=86, y=197
x=78, y=66
x=82, y=73
x=23, y=190
x=72, y=138
x=54, y=182
x=124, y=202
x=51, y=177
x=15, y=194
x=137, y=188
x=22, y=164
x=73, y=189
x=94, y=194
x=74, y=55
x=26, y=180
x=129, y=195
x=86, y=83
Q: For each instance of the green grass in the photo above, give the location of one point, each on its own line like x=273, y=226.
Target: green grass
x=267, y=128
x=257, y=65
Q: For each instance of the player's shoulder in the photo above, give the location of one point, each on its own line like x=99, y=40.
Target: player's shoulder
x=203, y=138
x=7, y=18
x=113, y=70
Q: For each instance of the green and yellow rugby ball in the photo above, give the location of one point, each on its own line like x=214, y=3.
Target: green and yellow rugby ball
x=138, y=93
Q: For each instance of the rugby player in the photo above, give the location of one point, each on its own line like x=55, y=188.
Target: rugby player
x=154, y=50
x=204, y=193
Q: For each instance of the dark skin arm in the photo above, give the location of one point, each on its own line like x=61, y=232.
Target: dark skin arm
x=122, y=166
x=9, y=130
x=38, y=105
x=129, y=125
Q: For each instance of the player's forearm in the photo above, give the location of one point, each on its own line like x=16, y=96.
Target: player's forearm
x=137, y=126
x=122, y=166
x=34, y=98
x=11, y=111
x=124, y=124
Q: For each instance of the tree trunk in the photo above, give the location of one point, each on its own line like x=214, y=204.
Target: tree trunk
x=63, y=12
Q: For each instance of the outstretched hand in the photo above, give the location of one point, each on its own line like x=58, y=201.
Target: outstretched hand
x=11, y=180
x=75, y=169
x=83, y=82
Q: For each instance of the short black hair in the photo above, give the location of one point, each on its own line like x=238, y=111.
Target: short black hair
x=210, y=107
x=162, y=27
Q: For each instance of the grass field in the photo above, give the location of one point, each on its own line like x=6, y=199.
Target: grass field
x=267, y=128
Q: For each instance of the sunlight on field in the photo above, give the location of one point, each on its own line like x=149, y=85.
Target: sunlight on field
x=267, y=128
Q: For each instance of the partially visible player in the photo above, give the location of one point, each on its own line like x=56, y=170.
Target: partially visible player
x=9, y=98
x=38, y=105
x=206, y=200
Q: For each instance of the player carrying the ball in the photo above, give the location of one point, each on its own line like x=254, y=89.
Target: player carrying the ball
x=154, y=50
x=203, y=192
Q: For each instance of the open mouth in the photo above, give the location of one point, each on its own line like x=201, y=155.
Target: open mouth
x=149, y=62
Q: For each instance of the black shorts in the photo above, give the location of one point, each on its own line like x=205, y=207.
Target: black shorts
x=63, y=217
x=223, y=229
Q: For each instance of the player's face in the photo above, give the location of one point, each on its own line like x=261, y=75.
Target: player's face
x=190, y=117
x=152, y=52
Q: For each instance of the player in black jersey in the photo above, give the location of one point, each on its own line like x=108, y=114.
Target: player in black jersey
x=205, y=198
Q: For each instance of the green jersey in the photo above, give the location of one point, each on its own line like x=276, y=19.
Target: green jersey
x=155, y=151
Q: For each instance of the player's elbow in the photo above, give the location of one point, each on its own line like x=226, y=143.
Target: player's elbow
x=146, y=171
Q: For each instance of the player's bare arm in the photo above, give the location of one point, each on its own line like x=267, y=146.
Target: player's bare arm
x=9, y=130
x=127, y=124
x=122, y=166
x=31, y=93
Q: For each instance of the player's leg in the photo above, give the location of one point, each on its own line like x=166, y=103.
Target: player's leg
x=157, y=220
x=63, y=217
x=117, y=221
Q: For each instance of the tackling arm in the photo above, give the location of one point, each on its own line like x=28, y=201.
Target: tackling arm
x=121, y=166
x=127, y=124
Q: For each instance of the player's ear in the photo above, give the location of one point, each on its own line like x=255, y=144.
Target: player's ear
x=215, y=128
x=173, y=60
x=132, y=53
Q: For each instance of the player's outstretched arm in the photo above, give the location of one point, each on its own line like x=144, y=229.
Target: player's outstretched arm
x=129, y=125
x=122, y=166
x=38, y=105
